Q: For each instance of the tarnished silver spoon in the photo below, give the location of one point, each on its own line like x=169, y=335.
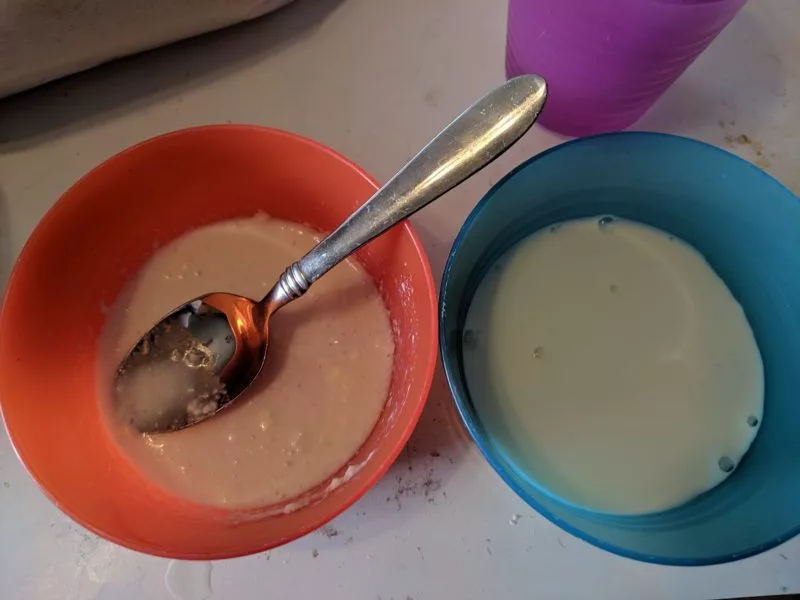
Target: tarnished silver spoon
x=205, y=353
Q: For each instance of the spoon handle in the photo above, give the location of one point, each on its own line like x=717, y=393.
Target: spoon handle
x=473, y=140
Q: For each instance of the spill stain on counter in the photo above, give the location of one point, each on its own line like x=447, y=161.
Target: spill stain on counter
x=329, y=531
x=761, y=157
x=411, y=486
x=189, y=580
x=94, y=558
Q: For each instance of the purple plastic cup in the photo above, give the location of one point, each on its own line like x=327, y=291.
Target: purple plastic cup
x=607, y=61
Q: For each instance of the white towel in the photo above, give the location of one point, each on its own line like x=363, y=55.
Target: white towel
x=42, y=40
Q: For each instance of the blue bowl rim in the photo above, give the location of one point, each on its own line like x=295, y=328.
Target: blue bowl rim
x=471, y=424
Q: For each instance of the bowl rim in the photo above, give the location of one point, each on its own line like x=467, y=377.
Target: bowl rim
x=472, y=423
x=429, y=356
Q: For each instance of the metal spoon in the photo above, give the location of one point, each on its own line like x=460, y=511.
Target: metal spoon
x=207, y=352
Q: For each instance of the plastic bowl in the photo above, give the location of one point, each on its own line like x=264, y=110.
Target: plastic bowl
x=747, y=225
x=79, y=257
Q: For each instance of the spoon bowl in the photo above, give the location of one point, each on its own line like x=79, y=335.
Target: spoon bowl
x=203, y=355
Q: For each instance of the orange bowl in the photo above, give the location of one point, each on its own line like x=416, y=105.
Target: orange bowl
x=78, y=259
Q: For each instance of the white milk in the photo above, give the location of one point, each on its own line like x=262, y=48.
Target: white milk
x=614, y=366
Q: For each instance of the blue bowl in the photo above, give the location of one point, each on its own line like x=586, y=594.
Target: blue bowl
x=747, y=225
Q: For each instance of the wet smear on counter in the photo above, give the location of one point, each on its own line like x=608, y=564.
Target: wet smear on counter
x=189, y=580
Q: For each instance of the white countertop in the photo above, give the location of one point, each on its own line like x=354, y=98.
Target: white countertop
x=374, y=80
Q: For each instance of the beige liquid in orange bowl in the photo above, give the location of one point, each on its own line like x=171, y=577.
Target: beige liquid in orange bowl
x=322, y=389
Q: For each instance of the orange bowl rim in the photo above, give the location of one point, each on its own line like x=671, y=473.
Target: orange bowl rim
x=51, y=218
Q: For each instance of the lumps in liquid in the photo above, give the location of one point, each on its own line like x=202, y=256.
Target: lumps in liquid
x=613, y=366
x=322, y=389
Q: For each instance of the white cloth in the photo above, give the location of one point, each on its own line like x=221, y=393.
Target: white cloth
x=42, y=40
